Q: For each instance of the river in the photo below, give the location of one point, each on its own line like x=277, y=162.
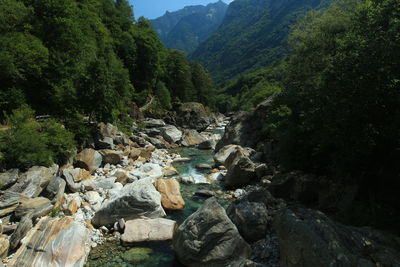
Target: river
x=150, y=254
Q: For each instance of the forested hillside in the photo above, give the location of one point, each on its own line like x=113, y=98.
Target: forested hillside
x=185, y=29
x=252, y=35
x=75, y=59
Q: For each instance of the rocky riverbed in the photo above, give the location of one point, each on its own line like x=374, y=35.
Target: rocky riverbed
x=165, y=195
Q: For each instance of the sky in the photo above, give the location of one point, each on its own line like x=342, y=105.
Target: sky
x=152, y=9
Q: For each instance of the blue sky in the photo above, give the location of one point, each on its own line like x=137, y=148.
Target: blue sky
x=155, y=8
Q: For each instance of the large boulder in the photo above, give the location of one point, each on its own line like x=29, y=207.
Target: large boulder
x=222, y=155
x=153, y=123
x=192, y=138
x=148, y=170
x=309, y=238
x=55, y=191
x=171, y=134
x=71, y=175
x=143, y=230
x=208, y=144
x=208, y=237
x=8, y=178
x=32, y=182
x=241, y=170
x=251, y=219
x=171, y=198
x=190, y=115
x=136, y=200
x=108, y=136
x=89, y=159
x=35, y=207
x=54, y=242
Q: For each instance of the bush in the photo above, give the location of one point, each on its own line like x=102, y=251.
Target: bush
x=29, y=142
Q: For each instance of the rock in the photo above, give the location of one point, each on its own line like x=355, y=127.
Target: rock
x=139, y=199
x=148, y=170
x=192, y=115
x=9, y=201
x=111, y=156
x=245, y=128
x=204, y=193
x=89, y=159
x=188, y=180
x=72, y=208
x=55, y=191
x=171, y=134
x=191, y=138
x=208, y=237
x=105, y=183
x=8, y=178
x=169, y=171
x=71, y=175
x=157, y=143
x=222, y=155
x=171, y=198
x=208, y=144
x=241, y=170
x=24, y=226
x=251, y=219
x=137, y=255
x=203, y=167
x=309, y=238
x=35, y=207
x=216, y=176
x=93, y=197
x=144, y=230
x=4, y=246
x=177, y=160
x=54, y=242
x=32, y=182
x=153, y=123
x=134, y=153
x=246, y=263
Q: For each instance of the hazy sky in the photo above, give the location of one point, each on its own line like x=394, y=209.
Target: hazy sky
x=155, y=8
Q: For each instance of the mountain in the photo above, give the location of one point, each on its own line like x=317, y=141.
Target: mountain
x=252, y=35
x=185, y=29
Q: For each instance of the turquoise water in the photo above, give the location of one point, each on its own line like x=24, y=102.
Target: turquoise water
x=150, y=254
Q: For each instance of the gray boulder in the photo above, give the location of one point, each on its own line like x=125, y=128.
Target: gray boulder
x=34, y=181
x=111, y=156
x=89, y=159
x=208, y=144
x=8, y=178
x=208, y=237
x=136, y=200
x=241, y=170
x=192, y=138
x=171, y=134
x=153, y=123
x=251, y=219
x=309, y=238
x=191, y=115
x=222, y=155
x=55, y=190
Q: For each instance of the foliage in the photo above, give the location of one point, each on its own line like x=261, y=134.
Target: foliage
x=343, y=92
x=29, y=142
x=252, y=35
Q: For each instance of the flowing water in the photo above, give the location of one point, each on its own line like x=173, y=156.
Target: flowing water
x=150, y=254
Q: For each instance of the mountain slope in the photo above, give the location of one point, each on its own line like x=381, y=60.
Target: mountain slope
x=252, y=35
x=185, y=29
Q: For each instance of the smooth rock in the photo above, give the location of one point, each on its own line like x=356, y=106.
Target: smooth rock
x=171, y=198
x=208, y=237
x=148, y=170
x=192, y=138
x=89, y=159
x=153, y=123
x=139, y=199
x=171, y=134
x=93, y=197
x=34, y=181
x=54, y=242
x=4, y=246
x=309, y=238
x=55, y=191
x=111, y=156
x=222, y=155
x=36, y=207
x=9, y=201
x=24, y=226
x=208, y=144
x=241, y=170
x=105, y=183
x=203, y=167
x=143, y=230
x=251, y=219
x=70, y=176
x=8, y=178
x=170, y=171
x=188, y=180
